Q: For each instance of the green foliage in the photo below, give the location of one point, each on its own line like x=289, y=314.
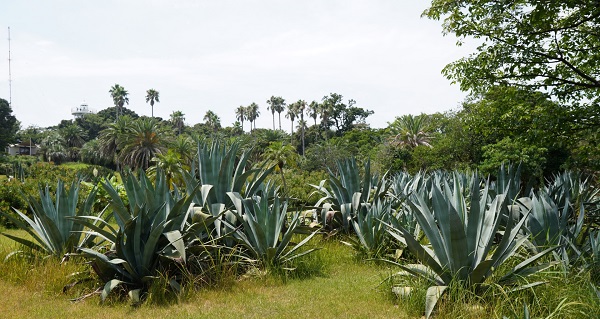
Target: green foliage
x=334, y=112
x=370, y=226
x=51, y=229
x=149, y=228
x=8, y=125
x=143, y=140
x=220, y=167
x=462, y=233
x=340, y=204
x=531, y=157
x=524, y=43
x=16, y=192
x=300, y=193
x=266, y=234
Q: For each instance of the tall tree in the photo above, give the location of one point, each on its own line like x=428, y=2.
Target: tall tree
x=111, y=139
x=8, y=125
x=144, y=140
x=212, y=120
x=178, y=120
x=252, y=113
x=276, y=104
x=151, y=97
x=302, y=125
x=292, y=112
x=411, y=131
x=240, y=115
x=281, y=155
x=183, y=146
x=119, y=96
x=53, y=147
x=300, y=107
x=343, y=116
x=544, y=45
x=313, y=110
x=73, y=135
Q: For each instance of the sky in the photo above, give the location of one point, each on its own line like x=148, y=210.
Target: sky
x=217, y=55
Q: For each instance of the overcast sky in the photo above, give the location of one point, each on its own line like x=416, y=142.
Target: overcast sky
x=218, y=55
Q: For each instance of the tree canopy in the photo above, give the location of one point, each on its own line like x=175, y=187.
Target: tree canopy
x=8, y=124
x=544, y=45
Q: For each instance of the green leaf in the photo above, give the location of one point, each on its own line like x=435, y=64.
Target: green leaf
x=433, y=295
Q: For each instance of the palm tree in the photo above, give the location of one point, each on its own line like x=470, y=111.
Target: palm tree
x=212, y=120
x=73, y=135
x=144, y=140
x=292, y=113
x=74, y=138
x=177, y=120
x=171, y=164
x=184, y=147
x=281, y=155
x=300, y=107
x=119, y=96
x=240, y=115
x=252, y=113
x=411, y=131
x=302, y=126
x=53, y=147
x=111, y=139
x=326, y=108
x=276, y=104
x=152, y=96
x=313, y=110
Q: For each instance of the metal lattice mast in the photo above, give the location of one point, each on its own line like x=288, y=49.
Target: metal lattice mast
x=9, y=73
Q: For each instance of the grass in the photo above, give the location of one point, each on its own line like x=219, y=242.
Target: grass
x=329, y=283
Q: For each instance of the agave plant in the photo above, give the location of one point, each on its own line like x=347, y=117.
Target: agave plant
x=343, y=188
x=372, y=239
x=150, y=227
x=508, y=181
x=551, y=225
x=220, y=171
x=462, y=234
x=571, y=188
x=51, y=229
x=594, y=256
x=403, y=184
x=266, y=233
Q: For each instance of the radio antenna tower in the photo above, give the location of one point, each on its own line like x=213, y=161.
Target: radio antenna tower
x=9, y=74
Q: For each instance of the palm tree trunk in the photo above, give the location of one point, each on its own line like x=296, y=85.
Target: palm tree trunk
x=273, y=121
x=283, y=180
x=302, y=140
x=279, y=121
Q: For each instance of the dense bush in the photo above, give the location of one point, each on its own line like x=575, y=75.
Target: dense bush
x=14, y=192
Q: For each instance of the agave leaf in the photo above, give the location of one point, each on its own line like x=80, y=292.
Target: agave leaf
x=33, y=231
x=134, y=294
x=176, y=240
x=101, y=258
x=97, y=229
x=289, y=255
x=523, y=269
x=433, y=295
x=26, y=242
x=109, y=286
x=422, y=254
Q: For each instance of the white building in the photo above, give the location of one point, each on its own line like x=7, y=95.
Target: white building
x=22, y=149
x=81, y=111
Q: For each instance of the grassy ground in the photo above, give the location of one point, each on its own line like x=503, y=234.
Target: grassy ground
x=342, y=287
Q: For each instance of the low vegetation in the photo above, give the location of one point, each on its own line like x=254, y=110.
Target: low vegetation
x=440, y=244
